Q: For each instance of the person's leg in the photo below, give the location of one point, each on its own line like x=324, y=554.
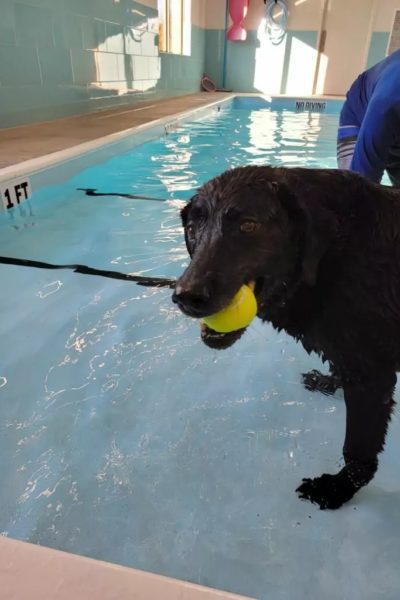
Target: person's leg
x=346, y=142
x=393, y=166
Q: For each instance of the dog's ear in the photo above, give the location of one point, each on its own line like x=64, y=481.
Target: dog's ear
x=316, y=225
x=185, y=217
x=185, y=213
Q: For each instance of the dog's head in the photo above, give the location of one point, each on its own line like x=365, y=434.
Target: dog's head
x=247, y=225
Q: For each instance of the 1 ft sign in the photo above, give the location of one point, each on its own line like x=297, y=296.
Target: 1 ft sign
x=14, y=192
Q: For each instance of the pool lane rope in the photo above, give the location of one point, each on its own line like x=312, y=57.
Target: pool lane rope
x=85, y=270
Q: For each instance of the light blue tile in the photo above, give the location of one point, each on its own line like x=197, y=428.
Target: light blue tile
x=56, y=65
x=140, y=67
x=96, y=91
x=89, y=33
x=121, y=67
x=34, y=26
x=196, y=62
x=114, y=38
x=307, y=38
x=68, y=30
x=7, y=24
x=23, y=104
x=169, y=70
x=52, y=4
x=102, y=9
x=241, y=65
x=19, y=66
x=82, y=29
x=377, y=48
x=198, y=42
x=100, y=35
x=146, y=85
x=184, y=72
x=154, y=67
x=241, y=59
x=107, y=66
x=61, y=94
x=139, y=13
x=94, y=34
x=133, y=41
x=82, y=7
x=149, y=46
x=128, y=74
x=214, y=55
x=83, y=66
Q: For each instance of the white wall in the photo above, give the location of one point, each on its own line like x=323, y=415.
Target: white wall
x=215, y=14
x=199, y=12
x=384, y=12
x=353, y=41
x=304, y=15
x=151, y=3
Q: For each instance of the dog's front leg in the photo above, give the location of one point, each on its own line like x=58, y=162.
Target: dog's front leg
x=369, y=405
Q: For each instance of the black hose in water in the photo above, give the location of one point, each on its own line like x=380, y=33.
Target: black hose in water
x=94, y=192
x=85, y=270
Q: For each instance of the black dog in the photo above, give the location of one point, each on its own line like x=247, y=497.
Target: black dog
x=323, y=247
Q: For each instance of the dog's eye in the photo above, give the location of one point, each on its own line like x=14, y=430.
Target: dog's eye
x=248, y=226
x=190, y=230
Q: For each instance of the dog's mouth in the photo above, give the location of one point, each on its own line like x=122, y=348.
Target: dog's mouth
x=221, y=341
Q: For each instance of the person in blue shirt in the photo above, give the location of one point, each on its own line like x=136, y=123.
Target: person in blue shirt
x=368, y=139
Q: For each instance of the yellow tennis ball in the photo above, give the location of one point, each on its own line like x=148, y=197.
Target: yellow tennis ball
x=238, y=314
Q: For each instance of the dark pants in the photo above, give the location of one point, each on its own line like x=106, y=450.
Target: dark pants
x=393, y=166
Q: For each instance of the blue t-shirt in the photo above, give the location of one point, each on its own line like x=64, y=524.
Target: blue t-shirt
x=372, y=113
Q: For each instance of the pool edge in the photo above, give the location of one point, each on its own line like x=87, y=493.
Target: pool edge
x=31, y=571
x=160, y=125
x=33, y=165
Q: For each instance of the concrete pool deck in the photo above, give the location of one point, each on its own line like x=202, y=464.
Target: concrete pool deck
x=19, y=144
x=29, y=572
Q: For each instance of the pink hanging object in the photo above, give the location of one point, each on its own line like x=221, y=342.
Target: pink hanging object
x=237, y=11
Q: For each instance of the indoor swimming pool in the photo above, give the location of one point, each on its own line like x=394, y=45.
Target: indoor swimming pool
x=123, y=437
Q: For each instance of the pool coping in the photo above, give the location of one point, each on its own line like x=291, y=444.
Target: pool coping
x=32, y=165
x=31, y=571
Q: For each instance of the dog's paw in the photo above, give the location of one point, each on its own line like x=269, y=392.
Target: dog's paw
x=328, y=491
x=314, y=381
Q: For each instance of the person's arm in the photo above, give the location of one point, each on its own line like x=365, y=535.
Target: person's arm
x=375, y=139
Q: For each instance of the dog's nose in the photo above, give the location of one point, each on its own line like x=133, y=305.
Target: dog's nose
x=191, y=299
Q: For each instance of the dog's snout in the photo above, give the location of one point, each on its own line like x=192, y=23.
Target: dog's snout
x=191, y=299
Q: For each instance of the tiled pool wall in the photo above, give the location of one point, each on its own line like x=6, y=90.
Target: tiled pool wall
x=59, y=58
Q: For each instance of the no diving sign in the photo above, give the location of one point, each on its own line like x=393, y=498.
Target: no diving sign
x=15, y=192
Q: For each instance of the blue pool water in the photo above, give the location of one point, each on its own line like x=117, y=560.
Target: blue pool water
x=124, y=438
